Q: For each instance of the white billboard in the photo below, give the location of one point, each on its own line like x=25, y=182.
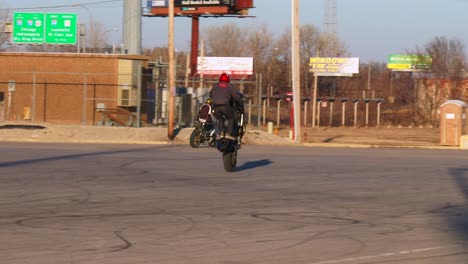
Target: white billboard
x=230, y=65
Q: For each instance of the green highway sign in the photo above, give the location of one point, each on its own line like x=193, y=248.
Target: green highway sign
x=60, y=29
x=49, y=28
x=28, y=28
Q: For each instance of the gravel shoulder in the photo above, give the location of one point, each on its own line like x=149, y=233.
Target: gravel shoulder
x=45, y=132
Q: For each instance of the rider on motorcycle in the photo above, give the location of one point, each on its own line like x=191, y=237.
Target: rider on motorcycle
x=205, y=114
x=226, y=102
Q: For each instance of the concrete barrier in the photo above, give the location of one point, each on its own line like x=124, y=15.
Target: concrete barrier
x=464, y=142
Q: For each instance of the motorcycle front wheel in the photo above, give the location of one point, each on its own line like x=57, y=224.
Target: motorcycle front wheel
x=230, y=160
x=196, y=138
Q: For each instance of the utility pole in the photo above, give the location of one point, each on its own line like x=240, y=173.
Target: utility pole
x=330, y=25
x=314, y=95
x=171, y=73
x=132, y=27
x=296, y=62
x=369, y=76
x=202, y=56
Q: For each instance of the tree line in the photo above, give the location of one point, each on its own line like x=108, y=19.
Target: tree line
x=418, y=95
x=415, y=96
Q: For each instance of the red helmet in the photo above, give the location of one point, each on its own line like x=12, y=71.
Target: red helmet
x=224, y=77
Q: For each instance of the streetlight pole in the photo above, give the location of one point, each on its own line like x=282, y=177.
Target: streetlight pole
x=88, y=34
x=78, y=44
x=113, y=45
x=109, y=30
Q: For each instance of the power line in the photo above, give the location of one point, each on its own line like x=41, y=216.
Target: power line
x=60, y=6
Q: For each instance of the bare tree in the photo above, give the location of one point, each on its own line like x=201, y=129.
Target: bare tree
x=313, y=42
x=227, y=40
x=259, y=46
x=4, y=36
x=446, y=78
x=97, y=39
x=231, y=41
x=282, y=57
x=272, y=56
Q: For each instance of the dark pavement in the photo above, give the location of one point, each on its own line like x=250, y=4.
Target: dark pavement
x=86, y=203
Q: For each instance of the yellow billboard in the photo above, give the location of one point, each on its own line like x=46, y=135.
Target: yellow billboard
x=331, y=66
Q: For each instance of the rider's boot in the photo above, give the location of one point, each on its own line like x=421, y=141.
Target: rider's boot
x=229, y=136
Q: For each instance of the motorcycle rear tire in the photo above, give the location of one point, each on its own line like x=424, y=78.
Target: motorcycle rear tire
x=230, y=160
x=196, y=138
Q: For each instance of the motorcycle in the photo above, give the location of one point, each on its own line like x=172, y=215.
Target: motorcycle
x=202, y=133
x=229, y=147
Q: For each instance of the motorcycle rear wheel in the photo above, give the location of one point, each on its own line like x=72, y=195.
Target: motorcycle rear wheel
x=196, y=138
x=230, y=160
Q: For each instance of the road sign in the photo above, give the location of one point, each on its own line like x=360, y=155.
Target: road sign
x=60, y=29
x=11, y=86
x=50, y=28
x=28, y=28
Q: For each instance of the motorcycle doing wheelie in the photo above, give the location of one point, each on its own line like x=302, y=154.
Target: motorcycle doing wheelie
x=229, y=147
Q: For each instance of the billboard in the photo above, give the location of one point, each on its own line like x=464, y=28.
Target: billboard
x=165, y=3
x=230, y=65
x=200, y=2
x=331, y=66
x=39, y=28
x=409, y=62
x=200, y=7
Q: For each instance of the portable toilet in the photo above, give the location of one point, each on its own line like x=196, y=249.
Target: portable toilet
x=452, y=122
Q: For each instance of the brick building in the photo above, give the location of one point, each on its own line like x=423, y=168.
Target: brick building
x=66, y=88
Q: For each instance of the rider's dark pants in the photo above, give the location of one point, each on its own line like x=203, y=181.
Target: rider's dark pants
x=229, y=112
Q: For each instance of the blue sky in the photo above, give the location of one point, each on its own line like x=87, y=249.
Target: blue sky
x=371, y=29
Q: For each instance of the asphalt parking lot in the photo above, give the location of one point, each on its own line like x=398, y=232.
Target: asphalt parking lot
x=98, y=203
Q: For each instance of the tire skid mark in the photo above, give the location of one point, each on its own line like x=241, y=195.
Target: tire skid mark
x=303, y=215
x=66, y=197
x=127, y=243
x=24, y=222
x=77, y=198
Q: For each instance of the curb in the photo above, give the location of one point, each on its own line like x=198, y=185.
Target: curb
x=178, y=142
x=344, y=145
x=139, y=142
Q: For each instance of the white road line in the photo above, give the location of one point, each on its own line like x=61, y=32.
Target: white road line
x=384, y=255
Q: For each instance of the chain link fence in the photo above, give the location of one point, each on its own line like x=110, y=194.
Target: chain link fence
x=140, y=99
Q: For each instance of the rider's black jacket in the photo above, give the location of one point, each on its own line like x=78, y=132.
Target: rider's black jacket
x=223, y=93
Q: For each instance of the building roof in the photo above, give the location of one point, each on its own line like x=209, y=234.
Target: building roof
x=455, y=102
x=76, y=55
